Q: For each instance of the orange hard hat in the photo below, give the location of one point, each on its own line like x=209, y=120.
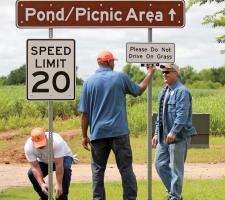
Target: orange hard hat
x=105, y=56
x=38, y=137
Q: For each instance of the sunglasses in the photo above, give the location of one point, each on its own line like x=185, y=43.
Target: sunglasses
x=167, y=72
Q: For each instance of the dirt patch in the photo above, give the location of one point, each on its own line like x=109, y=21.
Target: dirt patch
x=13, y=152
x=8, y=135
x=12, y=148
x=69, y=135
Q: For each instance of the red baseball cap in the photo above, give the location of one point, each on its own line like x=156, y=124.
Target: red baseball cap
x=105, y=56
x=38, y=137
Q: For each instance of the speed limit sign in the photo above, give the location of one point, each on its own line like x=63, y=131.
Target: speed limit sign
x=51, y=69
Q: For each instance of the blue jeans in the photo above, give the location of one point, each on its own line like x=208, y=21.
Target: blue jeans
x=66, y=178
x=100, y=150
x=169, y=163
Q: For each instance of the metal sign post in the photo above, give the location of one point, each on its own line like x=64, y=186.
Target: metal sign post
x=150, y=53
x=50, y=141
x=50, y=150
x=50, y=76
x=149, y=130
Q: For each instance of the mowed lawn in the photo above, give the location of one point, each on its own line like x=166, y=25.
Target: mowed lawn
x=214, y=154
x=193, y=190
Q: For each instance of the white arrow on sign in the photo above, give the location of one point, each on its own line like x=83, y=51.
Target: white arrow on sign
x=172, y=13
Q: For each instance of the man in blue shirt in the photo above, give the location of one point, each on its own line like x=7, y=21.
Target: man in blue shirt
x=103, y=108
x=173, y=131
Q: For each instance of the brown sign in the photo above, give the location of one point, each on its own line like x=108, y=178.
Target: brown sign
x=92, y=13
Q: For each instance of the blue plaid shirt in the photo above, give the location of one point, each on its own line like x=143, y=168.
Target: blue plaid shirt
x=177, y=116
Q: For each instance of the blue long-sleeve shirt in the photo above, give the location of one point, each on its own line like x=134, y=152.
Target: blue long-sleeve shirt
x=177, y=116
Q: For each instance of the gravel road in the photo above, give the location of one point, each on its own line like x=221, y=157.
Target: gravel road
x=14, y=175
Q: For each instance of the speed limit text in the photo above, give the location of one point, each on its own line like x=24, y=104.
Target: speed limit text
x=56, y=51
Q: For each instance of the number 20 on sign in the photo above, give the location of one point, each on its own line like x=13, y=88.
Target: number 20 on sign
x=50, y=69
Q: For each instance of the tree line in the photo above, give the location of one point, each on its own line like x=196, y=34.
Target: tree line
x=207, y=78
x=18, y=77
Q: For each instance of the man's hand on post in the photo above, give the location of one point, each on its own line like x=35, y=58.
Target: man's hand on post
x=144, y=84
x=85, y=142
x=44, y=188
x=151, y=68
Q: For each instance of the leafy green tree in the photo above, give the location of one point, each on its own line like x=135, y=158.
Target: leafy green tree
x=134, y=72
x=17, y=76
x=205, y=85
x=188, y=75
x=205, y=74
x=3, y=80
x=215, y=75
x=218, y=75
x=79, y=81
x=217, y=19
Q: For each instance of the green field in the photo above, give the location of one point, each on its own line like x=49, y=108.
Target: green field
x=214, y=154
x=193, y=190
x=16, y=112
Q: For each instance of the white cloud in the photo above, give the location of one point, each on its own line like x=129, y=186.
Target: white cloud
x=195, y=43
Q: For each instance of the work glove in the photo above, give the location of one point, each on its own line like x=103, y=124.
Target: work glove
x=75, y=159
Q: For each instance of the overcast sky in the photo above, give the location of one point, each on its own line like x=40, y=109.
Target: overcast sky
x=195, y=43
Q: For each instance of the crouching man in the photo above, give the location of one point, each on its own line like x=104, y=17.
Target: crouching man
x=36, y=152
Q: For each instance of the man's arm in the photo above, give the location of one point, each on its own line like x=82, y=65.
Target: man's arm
x=182, y=105
x=144, y=84
x=36, y=170
x=59, y=169
x=155, y=137
x=84, y=127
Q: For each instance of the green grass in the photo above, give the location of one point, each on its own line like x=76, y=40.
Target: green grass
x=16, y=111
x=203, y=101
x=217, y=140
x=216, y=152
x=192, y=190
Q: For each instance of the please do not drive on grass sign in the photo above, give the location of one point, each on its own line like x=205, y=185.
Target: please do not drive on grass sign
x=50, y=69
x=150, y=52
